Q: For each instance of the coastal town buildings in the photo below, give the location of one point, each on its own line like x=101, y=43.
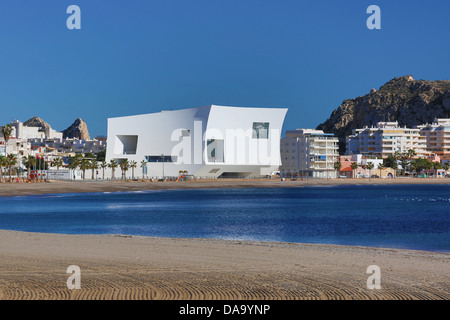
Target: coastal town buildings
x=206, y=142
x=20, y=131
x=308, y=153
x=436, y=136
x=70, y=146
x=18, y=147
x=385, y=139
x=366, y=167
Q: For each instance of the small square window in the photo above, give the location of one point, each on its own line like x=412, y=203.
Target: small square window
x=260, y=130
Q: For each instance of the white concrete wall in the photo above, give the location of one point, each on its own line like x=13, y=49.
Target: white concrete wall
x=184, y=133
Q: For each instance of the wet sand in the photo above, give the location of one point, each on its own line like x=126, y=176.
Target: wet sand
x=33, y=265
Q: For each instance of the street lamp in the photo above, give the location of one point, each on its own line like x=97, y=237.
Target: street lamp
x=162, y=158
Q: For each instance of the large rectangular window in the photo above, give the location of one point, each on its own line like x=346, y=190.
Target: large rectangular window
x=260, y=130
x=125, y=144
x=161, y=158
x=215, y=150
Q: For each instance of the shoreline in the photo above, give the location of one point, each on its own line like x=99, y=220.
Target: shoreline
x=122, y=267
x=115, y=267
x=57, y=187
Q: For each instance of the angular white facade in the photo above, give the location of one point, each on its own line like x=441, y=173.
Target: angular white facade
x=210, y=142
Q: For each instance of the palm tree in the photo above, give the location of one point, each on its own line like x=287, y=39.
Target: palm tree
x=74, y=162
x=381, y=167
x=113, y=165
x=7, y=130
x=103, y=165
x=337, y=166
x=93, y=164
x=58, y=162
x=369, y=167
x=354, y=166
x=446, y=166
x=133, y=165
x=397, y=156
x=11, y=161
x=3, y=163
x=84, y=165
x=410, y=153
x=436, y=166
x=29, y=162
x=124, y=165
x=143, y=164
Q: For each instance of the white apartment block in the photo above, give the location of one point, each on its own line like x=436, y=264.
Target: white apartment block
x=23, y=132
x=18, y=147
x=308, y=153
x=385, y=139
x=437, y=136
x=69, y=146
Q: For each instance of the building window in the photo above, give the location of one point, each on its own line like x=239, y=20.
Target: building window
x=215, y=150
x=161, y=158
x=125, y=144
x=260, y=130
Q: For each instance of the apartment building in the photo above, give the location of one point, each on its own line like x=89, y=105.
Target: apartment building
x=385, y=139
x=436, y=136
x=18, y=147
x=308, y=153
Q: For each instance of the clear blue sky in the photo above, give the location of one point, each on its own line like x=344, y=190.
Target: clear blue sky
x=141, y=56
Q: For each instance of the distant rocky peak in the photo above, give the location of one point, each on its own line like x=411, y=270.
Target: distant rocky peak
x=36, y=122
x=78, y=130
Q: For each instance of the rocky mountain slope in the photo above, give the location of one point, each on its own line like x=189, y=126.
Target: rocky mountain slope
x=78, y=130
x=406, y=100
x=36, y=122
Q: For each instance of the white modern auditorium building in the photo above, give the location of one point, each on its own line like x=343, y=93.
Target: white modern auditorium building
x=206, y=142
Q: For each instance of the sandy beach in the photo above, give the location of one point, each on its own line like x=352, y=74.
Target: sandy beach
x=33, y=265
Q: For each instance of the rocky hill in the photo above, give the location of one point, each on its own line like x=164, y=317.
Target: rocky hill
x=78, y=130
x=406, y=100
x=36, y=122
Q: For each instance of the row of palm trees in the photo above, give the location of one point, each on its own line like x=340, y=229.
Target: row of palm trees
x=406, y=160
x=78, y=162
x=85, y=164
x=9, y=160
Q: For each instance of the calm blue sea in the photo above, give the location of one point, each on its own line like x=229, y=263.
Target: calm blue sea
x=395, y=216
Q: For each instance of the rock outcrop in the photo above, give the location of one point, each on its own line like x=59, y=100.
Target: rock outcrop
x=408, y=101
x=36, y=122
x=77, y=130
